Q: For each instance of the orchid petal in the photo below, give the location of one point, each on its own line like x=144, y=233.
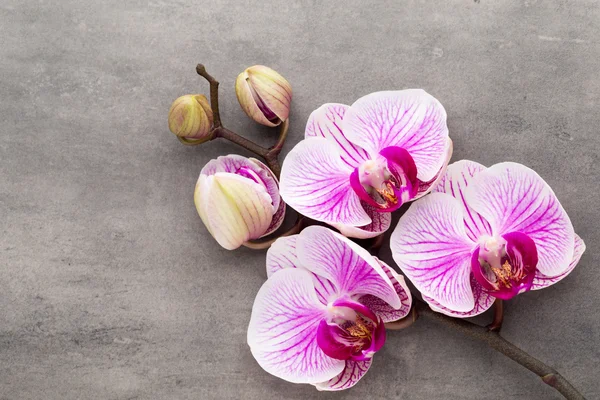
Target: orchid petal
x=353, y=371
x=382, y=309
x=250, y=168
x=483, y=302
x=272, y=185
x=380, y=223
x=426, y=187
x=514, y=198
x=234, y=209
x=458, y=177
x=541, y=281
x=432, y=249
x=326, y=121
x=315, y=182
x=411, y=119
x=283, y=328
x=282, y=254
x=347, y=265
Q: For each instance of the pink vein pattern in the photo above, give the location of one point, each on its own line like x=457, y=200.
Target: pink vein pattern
x=382, y=309
x=283, y=328
x=514, y=198
x=411, y=119
x=326, y=122
x=315, y=182
x=353, y=371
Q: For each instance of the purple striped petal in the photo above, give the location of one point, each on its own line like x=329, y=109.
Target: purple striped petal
x=458, y=177
x=380, y=223
x=541, y=281
x=514, y=198
x=315, y=182
x=353, y=371
x=282, y=254
x=483, y=302
x=347, y=265
x=411, y=119
x=326, y=121
x=283, y=328
x=432, y=249
x=382, y=309
x=426, y=187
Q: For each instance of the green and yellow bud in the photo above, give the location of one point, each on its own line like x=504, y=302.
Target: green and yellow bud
x=191, y=117
x=264, y=95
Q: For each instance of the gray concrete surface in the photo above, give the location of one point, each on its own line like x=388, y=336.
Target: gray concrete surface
x=111, y=287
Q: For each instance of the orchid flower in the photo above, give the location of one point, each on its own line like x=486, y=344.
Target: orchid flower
x=485, y=234
x=359, y=163
x=319, y=317
x=238, y=200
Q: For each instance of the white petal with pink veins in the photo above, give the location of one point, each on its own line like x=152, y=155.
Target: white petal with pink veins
x=458, y=177
x=316, y=183
x=432, y=249
x=382, y=309
x=514, y=198
x=345, y=264
x=483, y=302
x=380, y=223
x=282, y=254
x=283, y=328
x=411, y=119
x=541, y=281
x=353, y=371
x=427, y=187
x=326, y=122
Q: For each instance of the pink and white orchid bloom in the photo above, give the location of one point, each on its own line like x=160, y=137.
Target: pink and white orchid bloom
x=320, y=316
x=485, y=234
x=238, y=200
x=358, y=163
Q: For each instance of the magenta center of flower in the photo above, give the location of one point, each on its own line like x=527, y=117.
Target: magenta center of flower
x=350, y=331
x=505, y=266
x=388, y=181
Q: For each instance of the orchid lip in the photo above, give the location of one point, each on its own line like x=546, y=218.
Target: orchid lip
x=505, y=266
x=351, y=331
x=388, y=181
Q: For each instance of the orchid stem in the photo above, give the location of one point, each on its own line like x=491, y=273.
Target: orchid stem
x=496, y=324
x=493, y=339
x=270, y=155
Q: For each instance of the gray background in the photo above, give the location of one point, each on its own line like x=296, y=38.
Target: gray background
x=111, y=287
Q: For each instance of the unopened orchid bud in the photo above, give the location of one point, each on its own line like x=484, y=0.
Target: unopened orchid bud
x=264, y=95
x=238, y=200
x=191, y=117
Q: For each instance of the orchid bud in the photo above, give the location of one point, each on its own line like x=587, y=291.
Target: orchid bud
x=238, y=200
x=264, y=95
x=191, y=117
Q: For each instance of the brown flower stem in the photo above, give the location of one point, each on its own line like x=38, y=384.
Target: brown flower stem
x=496, y=324
x=270, y=155
x=214, y=93
x=493, y=339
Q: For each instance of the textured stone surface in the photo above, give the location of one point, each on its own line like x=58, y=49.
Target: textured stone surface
x=111, y=287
